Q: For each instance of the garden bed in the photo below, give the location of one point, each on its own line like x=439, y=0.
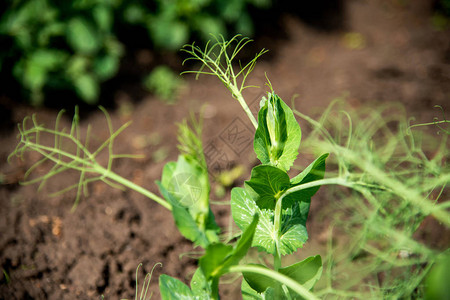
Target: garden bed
x=392, y=54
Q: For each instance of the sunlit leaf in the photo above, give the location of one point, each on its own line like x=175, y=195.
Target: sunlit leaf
x=200, y=286
x=82, y=36
x=87, y=88
x=173, y=289
x=306, y=273
x=278, y=135
x=268, y=183
x=293, y=230
x=185, y=185
x=219, y=257
x=315, y=171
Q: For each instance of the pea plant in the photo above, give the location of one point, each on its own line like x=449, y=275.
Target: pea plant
x=271, y=209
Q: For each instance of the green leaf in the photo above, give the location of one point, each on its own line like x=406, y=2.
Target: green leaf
x=134, y=13
x=306, y=273
x=164, y=82
x=209, y=25
x=250, y=294
x=244, y=243
x=172, y=288
x=212, y=262
x=185, y=185
x=82, y=36
x=315, y=171
x=106, y=66
x=39, y=64
x=48, y=31
x=103, y=17
x=87, y=88
x=278, y=135
x=168, y=33
x=199, y=285
x=219, y=257
x=268, y=183
x=293, y=229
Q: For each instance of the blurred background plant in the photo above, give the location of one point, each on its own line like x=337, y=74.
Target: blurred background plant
x=392, y=231
x=78, y=45
x=441, y=16
x=164, y=83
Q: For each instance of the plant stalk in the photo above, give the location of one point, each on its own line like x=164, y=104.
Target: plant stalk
x=244, y=105
x=277, y=233
x=125, y=182
x=289, y=282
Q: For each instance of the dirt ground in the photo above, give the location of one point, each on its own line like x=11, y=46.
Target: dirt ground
x=382, y=51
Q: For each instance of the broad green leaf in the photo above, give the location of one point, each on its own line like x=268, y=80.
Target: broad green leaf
x=315, y=171
x=244, y=243
x=211, y=263
x=173, y=289
x=306, y=273
x=188, y=185
x=219, y=257
x=268, y=183
x=293, y=227
x=82, y=36
x=187, y=225
x=248, y=293
x=293, y=230
x=278, y=135
x=199, y=285
x=185, y=185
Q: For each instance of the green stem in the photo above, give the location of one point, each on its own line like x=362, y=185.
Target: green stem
x=94, y=167
x=328, y=181
x=277, y=233
x=125, y=182
x=215, y=288
x=244, y=105
x=289, y=282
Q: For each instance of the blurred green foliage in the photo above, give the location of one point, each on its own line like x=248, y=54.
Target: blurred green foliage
x=436, y=283
x=171, y=23
x=75, y=45
x=62, y=45
x=164, y=83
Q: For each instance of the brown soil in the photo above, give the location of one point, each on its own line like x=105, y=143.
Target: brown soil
x=48, y=252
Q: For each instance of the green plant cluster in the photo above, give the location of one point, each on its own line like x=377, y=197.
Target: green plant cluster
x=271, y=210
x=171, y=24
x=60, y=45
x=77, y=45
x=399, y=175
x=388, y=180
